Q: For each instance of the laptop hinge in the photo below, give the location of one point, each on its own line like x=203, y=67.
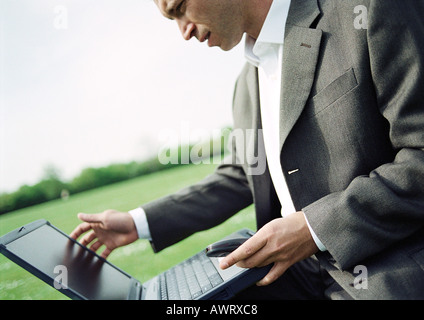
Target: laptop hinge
x=135, y=290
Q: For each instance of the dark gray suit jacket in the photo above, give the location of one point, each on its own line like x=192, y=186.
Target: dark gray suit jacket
x=352, y=139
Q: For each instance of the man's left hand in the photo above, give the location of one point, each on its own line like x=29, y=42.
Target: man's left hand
x=282, y=241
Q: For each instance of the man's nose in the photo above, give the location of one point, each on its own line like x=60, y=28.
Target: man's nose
x=187, y=28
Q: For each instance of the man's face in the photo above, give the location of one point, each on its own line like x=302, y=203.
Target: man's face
x=220, y=22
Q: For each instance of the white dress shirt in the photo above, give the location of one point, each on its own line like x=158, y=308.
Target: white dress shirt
x=266, y=53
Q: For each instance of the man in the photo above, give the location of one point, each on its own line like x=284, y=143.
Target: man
x=336, y=101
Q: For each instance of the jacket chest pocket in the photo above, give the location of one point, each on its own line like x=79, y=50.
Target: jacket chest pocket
x=333, y=92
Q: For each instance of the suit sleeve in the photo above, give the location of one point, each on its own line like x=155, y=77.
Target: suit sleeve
x=198, y=207
x=386, y=206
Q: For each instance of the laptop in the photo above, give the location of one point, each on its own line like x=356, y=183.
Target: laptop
x=79, y=273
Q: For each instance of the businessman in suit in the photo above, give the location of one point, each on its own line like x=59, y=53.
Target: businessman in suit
x=336, y=105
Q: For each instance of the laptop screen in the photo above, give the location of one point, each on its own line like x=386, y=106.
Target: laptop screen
x=69, y=264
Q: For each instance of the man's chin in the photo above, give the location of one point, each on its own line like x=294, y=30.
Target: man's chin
x=226, y=49
x=224, y=43
x=227, y=46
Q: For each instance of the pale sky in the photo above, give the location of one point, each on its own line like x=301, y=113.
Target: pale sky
x=89, y=83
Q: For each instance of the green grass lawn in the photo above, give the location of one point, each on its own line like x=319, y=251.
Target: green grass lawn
x=136, y=259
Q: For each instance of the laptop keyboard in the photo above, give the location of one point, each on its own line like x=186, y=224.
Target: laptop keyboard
x=189, y=279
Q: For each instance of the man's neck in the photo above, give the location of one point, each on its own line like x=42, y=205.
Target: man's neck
x=256, y=12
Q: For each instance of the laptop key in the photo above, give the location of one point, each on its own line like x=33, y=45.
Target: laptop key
x=197, y=294
x=210, y=269
x=162, y=283
x=201, y=275
x=192, y=282
x=182, y=284
x=207, y=287
x=171, y=285
x=216, y=279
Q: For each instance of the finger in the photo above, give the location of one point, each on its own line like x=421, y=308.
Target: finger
x=96, y=245
x=106, y=252
x=258, y=259
x=96, y=217
x=88, y=238
x=246, y=250
x=79, y=230
x=276, y=271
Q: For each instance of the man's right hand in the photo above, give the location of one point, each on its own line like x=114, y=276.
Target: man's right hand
x=110, y=228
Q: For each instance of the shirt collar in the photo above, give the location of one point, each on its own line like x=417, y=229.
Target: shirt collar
x=272, y=31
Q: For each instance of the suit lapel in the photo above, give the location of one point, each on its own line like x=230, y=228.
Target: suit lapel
x=253, y=89
x=300, y=57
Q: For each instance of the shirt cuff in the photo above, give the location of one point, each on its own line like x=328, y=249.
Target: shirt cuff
x=319, y=244
x=141, y=224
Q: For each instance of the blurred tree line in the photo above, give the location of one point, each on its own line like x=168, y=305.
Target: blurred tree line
x=51, y=187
